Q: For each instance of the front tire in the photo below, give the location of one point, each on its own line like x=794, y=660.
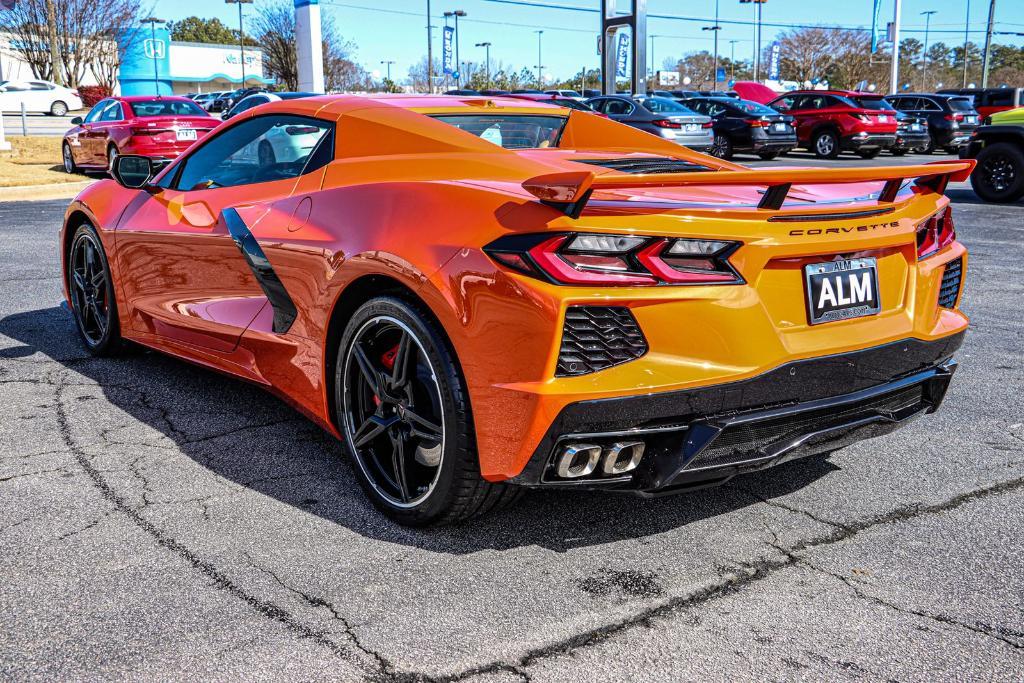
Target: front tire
x=825, y=145
x=69, y=159
x=92, y=293
x=404, y=414
x=999, y=175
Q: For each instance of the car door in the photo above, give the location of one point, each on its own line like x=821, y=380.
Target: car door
x=184, y=276
x=40, y=96
x=102, y=131
x=90, y=152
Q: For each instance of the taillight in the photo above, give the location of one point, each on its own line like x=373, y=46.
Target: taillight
x=141, y=130
x=935, y=233
x=707, y=124
x=626, y=260
x=665, y=123
x=758, y=123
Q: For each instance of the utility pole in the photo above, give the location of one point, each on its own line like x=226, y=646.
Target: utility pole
x=241, y=31
x=988, y=43
x=51, y=29
x=732, y=59
x=757, y=33
x=388, y=62
x=967, y=27
x=894, y=73
x=924, y=70
x=430, y=53
x=540, y=65
x=487, y=63
x=652, y=54
x=716, y=28
x=153, y=21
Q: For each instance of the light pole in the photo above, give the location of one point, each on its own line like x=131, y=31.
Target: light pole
x=388, y=63
x=894, y=71
x=457, y=13
x=241, y=31
x=430, y=53
x=487, y=63
x=732, y=59
x=653, y=70
x=716, y=28
x=540, y=66
x=153, y=21
x=967, y=27
x=924, y=71
x=757, y=34
x=988, y=43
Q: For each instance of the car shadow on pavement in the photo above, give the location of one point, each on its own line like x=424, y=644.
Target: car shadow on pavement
x=246, y=436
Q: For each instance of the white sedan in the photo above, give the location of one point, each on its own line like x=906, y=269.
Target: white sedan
x=38, y=96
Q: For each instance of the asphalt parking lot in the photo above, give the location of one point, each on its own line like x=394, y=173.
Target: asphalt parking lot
x=158, y=521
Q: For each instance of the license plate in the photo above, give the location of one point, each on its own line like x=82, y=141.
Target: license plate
x=839, y=290
x=187, y=134
x=971, y=119
x=882, y=118
x=780, y=127
x=915, y=126
x=691, y=127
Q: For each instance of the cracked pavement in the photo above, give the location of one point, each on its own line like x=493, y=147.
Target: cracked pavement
x=161, y=521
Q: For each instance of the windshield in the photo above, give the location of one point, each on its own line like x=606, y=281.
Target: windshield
x=749, y=107
x=511, y=131
x=146, y=108
x=960, y=104
x=660, y=105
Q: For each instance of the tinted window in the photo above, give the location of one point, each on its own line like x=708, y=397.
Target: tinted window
x=15, y=87
x=259, y=150
x=571, y=104
x=748, y=107
x=39, y=85
x=960, y=104
x=1000, y=98
x=928, y=105
x=783, y=103
x=661, y=105
x=146, y=108
x=112, y=112
x=249, y=103
x=876, y=103
x=95, y=112
x=511, y=131
x=617, y=107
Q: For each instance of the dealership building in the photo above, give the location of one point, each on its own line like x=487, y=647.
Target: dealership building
x=152, y=63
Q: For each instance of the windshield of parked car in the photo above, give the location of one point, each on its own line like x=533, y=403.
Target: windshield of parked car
x=146, y=108
x=662, y=105
x=960, y=104
x=876, y=103
x=749, y=107
x=511, y=131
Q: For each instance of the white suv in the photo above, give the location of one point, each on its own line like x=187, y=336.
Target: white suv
x=38, y=96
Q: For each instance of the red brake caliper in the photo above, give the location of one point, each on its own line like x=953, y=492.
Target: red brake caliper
x=388, y=361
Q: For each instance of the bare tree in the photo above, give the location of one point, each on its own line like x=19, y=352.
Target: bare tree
x=86, y=31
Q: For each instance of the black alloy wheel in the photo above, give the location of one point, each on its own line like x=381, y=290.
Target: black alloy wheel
x=999, y=175
x=721, y=147
x=92, y=293
x=405, y=420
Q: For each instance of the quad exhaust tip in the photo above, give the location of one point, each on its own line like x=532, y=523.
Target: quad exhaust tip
x=582, y=459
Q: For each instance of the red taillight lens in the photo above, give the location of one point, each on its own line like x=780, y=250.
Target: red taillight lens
x=935, y=233
x=758, y=123
x=707, y=124
x=665, y=123
x=624, y=260
x=143, y=130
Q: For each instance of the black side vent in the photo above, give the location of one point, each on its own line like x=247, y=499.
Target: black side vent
x=598, y=337
x=950, y=289
x=646, y=165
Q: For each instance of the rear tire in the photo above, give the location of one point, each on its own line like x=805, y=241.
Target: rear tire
x=58, y=108
x=721, y=147
x=825, y=144
x=930, y=147
x=91, y=289
x=112, y=155
x=999, y=175
x=411, y=440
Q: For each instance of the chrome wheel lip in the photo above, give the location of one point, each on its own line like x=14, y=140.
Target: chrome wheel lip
x=346, y=413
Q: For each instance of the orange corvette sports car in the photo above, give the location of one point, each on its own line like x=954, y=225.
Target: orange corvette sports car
x=478, y=294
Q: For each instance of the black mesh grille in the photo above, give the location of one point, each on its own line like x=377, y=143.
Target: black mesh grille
x=951, y=283
x=756, y=439
x=598, y=337
x=646, y=165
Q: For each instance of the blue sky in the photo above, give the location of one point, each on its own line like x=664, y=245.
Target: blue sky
x=395, y=29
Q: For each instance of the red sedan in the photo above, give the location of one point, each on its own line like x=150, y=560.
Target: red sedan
x=148, y=126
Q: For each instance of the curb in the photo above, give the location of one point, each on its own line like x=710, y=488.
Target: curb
x=24, y=193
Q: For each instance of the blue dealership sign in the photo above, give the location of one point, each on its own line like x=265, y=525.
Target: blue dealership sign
x=446, y=50
x=773, y=63
x=622, y=55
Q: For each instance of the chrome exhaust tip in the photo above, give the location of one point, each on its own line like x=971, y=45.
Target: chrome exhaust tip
x=623, y=457
x=578, y=460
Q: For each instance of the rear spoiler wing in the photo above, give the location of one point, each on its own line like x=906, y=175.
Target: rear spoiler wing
x=570, y=191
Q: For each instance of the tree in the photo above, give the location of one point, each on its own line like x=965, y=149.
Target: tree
x=273, y=27
x=87, y=34
x=198, y=30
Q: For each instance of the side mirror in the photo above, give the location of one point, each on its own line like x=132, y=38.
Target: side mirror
x=132, y=171
x=225, y=115
x=77, y=121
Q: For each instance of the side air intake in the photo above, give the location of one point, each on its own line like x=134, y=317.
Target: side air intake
x=598, y=337
x=949, y=291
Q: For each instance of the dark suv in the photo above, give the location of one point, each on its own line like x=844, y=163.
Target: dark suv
x=951, y=118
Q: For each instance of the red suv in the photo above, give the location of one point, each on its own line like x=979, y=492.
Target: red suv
x=830, y=121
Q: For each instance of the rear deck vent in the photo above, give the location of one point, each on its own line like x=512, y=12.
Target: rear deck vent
x=598, y=337
x=950, y=289
x=646, y=165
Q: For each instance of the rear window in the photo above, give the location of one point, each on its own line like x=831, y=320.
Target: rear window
x=748, y=107
x=511, y=131
x=146, y=108
x=571, y=104
x=876, y=103
x=661, y=105
x=960, y=104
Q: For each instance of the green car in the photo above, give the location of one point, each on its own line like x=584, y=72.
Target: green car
x=998, y=147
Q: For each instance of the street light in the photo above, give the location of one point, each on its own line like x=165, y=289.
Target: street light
x=153, y=21
x=456, y=13
x=732, y=59
x=757, y=35
x=540, y=80
x=241, y=31
x=716, y=28
x=967, y=26
x=388, y=62
x=487, y=62
x=924, y=72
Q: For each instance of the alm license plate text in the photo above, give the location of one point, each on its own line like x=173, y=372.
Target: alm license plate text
x=839, y=290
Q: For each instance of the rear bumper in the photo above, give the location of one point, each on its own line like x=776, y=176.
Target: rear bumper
x=916, y=140
x=868, y=141
x=708, y=435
